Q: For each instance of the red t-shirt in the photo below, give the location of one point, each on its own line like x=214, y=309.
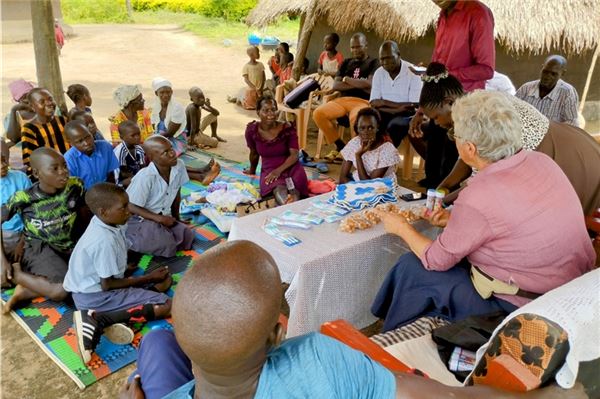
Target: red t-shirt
x=464, y=42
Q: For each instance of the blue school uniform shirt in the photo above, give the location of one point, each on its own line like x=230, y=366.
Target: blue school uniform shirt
x=94, y=168
x=14, y=181
x=317, y=367
x=101, y=252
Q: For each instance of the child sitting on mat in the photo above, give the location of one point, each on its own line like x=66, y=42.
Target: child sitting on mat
x=129, y=153
x=12, y=237
x=50, y=211
x=154, y=197
x=96, y=277
x=91, y=160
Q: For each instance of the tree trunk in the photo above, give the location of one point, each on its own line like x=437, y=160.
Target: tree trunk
x=46, y=53
x=129, y=9
x=308, y=23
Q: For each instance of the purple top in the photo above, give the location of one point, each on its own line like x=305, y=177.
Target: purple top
x=273, y=153
x=520, y=221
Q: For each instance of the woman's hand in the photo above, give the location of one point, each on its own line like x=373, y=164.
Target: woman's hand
x=271, y=177
x=392, y=222
x=248, y=171
x=438, y=217
x=414, y=129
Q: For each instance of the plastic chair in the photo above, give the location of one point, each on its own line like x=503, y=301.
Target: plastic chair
x=592, y=222
x=300, y=113
x=346, y=333
x=408, y=154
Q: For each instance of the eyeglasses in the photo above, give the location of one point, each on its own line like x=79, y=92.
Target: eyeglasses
x=452, y=136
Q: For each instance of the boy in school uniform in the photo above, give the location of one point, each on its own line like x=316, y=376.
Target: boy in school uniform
x=50, y=210
x=91, y=161
x=154, y=198
x=129, y=153
x=97, y=276
x=12, y=238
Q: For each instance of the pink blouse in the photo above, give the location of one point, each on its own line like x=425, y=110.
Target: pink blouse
x=520, y=221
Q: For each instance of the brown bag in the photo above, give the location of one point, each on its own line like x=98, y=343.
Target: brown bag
x=250, y=208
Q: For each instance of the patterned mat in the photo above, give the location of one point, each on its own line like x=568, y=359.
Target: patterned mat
x=50, y=324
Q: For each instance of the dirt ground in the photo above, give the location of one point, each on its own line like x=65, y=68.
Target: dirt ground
x=102, y=57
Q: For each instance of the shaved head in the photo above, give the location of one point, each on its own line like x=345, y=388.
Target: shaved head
x=156, y=142
x=390, y=45
x=195, y=90
x=360, y=37
x=553, y=69
x=41, y=157
x=226, y=307
x=556, y=59
x=73, y=128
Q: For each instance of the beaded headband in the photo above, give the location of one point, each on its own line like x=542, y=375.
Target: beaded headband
x=434, y=78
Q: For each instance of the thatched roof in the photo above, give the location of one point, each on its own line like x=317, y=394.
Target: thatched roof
x=521, y=25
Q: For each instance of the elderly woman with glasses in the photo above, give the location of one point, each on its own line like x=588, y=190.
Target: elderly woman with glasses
x=514, y=233
x=573, y=149
x=371, y=153
x=131, y=101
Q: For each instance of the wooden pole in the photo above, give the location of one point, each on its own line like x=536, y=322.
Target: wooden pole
x=588, y=81
x=46, y=53
x=307, y=26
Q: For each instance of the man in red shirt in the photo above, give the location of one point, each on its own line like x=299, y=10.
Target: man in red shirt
x=464, y=43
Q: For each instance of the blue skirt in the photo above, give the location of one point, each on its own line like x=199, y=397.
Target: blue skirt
x=410, y=291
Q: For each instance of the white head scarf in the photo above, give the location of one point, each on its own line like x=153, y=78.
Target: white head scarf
x=175, y=111
x=124, y=94
x=159, y=82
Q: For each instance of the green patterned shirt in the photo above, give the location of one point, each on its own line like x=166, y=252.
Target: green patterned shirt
x=49, y=218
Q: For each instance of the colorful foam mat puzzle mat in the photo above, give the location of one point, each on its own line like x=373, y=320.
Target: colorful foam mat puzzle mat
x=50, y=324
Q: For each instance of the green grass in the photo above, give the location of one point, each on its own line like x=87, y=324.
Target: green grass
x=94, y=11
x=217, y=29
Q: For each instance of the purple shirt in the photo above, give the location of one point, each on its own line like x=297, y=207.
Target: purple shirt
x=520, y=221
x=464, y=42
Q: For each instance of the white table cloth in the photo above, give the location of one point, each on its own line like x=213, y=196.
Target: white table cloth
x=332, y=275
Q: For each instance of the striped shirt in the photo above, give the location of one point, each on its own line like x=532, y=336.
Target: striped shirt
x=560, y=105
x=129, y=162
x=51, y=134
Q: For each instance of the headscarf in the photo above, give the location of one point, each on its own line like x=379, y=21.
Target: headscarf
x=20, y=88
x=159, y=82
x=535, y=124
x=124, y=94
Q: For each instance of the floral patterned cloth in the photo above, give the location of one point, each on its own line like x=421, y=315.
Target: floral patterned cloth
x=383, y=156
x=143, y=121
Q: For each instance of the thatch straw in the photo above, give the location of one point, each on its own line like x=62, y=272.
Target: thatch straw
x=521, y=25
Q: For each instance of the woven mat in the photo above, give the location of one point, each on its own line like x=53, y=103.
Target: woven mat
x=50, y=324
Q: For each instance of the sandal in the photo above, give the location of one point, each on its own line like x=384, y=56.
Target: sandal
x=334, y=156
